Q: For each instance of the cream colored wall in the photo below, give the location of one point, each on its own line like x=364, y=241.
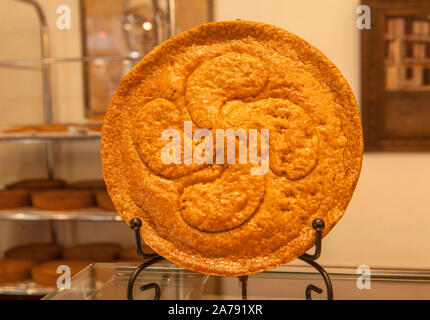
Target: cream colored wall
x=387, y=223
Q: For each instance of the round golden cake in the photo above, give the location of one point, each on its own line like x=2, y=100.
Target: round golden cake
x=222, y=219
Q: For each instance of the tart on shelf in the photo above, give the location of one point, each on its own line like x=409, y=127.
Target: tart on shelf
x=39, y=252
x=95, y=127
x=104, y=201
x=62, y=200
x=130, y=253
x=45, y=274
x=10, y=199
x=96, y=252
x=37, y=184
x=87, y=185
x=51, y=127
x=14, y=270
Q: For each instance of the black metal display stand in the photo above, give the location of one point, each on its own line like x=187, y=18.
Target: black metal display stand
x=317, y=224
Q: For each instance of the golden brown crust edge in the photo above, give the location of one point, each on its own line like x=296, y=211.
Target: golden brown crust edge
x=329, y=74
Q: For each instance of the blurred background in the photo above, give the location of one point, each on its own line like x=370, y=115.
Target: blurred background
x=387, y=222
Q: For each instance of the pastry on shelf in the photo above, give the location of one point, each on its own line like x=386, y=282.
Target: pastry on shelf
x=10, y=199
x=88, y=127
x=52, y=127
x=49, y=127
x=130, y=254
x=96, y=252
x=14, y=270
x=37, y=184
x=104, y=201
x=94, y=127
x=18, y=129
x=62, y=200
x=96, y=117
x=39, y=252
x=45, y=274
x=87, y=185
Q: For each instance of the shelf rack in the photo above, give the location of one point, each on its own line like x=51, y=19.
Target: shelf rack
x=121, y=273
x=24, y=288
x=45, y=61
x=318, y=225
x=32, y=214
x=27, y=138
x=49, y=61
x=92, y=214
x=111, y=281
x=48, y=139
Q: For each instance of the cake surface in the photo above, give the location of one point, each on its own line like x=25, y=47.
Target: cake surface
x=219, y=218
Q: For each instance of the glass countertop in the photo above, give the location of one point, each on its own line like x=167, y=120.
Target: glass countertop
x=108, y=281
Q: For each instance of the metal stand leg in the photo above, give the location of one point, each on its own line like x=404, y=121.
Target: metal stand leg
x=148, y=286
x=318, y=225
x=136, y=224
x=244, y=281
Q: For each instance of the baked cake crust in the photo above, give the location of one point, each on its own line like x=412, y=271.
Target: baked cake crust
x=218, y=219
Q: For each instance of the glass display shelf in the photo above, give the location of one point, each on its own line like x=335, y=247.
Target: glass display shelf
x=24, y=288
x=32, y=214
x=133, y=56
x=43, y=137
x=101, y=281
